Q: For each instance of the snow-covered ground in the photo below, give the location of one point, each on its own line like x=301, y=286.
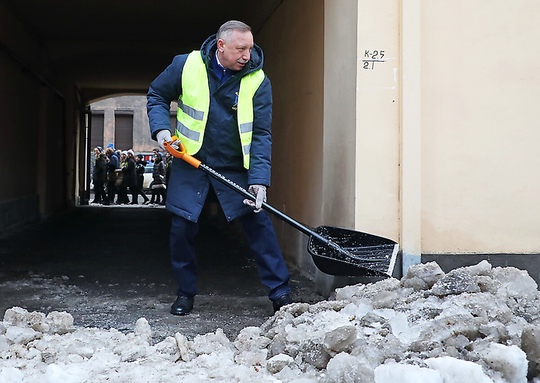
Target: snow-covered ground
x=477, y=324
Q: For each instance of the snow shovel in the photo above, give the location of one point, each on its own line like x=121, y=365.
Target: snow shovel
x=334, y=250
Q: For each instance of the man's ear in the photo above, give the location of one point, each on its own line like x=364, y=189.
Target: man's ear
x=220, y=44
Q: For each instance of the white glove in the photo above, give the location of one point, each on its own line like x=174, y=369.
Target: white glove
x=163, y=136
x=258, y=191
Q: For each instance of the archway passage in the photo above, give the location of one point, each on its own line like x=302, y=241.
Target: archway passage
x=56, y=57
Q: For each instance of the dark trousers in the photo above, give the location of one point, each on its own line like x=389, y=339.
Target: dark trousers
x=262, y=241
x=159, y=195
x=99, y=191
x=123, y=194
x=111, y=191
x=138, y=191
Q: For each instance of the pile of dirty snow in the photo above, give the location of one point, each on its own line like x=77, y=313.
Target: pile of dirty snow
x=475, y=324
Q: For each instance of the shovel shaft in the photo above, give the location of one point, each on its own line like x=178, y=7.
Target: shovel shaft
x=239, y=189
x=269, y=208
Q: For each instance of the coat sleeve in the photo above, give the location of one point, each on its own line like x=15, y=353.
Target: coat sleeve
x=261, y=143
x=166, y=88
x=113, y=163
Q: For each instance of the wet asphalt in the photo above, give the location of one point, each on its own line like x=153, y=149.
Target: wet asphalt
x=109, y=266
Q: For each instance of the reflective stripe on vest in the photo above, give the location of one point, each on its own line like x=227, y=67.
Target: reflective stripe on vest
x=194, y=103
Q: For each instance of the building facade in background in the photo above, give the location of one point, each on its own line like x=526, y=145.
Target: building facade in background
x=123, y=122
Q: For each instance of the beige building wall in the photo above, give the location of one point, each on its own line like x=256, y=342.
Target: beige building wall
x=412, y=120
x=463, y=133
x=377, y=124
x=336, y=124
x=293, y=44
x=480, y=126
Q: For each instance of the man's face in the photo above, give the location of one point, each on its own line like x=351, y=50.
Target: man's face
x=236, y=51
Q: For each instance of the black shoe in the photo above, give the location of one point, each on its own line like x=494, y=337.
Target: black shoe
x=283, y=300
x=182, y=305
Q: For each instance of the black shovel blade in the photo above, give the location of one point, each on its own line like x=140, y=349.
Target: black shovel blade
x=365, y=254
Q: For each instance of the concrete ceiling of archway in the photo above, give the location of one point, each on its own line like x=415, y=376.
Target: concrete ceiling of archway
x=112, y=47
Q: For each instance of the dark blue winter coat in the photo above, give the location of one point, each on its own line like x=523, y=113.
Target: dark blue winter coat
x=221, y=150
x=112, y=165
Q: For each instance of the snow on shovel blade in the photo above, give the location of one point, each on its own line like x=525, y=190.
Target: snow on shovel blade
x=362, y=254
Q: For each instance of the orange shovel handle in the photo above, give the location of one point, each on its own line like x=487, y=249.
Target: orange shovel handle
x=181, y=153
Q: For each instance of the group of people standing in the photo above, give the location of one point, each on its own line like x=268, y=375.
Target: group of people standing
x=115, y=172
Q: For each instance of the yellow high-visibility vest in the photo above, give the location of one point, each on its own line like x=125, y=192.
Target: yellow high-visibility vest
x=194, y=103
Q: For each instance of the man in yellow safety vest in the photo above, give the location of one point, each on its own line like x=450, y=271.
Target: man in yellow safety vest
x=224, y=119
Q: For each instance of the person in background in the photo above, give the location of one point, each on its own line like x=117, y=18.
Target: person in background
x=130, y=177
x=122, y=198
x=228, y=127
x=100, y=176
x=140, y=165
x=113, y=163
x=93, y=158
x=159, y=188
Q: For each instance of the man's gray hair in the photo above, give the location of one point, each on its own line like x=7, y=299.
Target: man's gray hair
x=226, y=29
